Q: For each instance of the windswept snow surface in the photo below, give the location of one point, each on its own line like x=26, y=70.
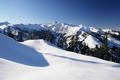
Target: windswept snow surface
x=18, y=62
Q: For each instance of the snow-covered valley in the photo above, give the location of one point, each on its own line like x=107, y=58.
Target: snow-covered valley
x=40, y=60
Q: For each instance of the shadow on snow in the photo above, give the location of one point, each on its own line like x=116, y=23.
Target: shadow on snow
x=73, y=59
x=22, y=54
x=84, y=61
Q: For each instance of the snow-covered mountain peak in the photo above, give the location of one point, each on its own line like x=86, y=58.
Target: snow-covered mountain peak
x=4, y=23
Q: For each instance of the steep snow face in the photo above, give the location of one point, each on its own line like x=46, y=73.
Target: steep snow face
x=63, y=28
x=63, y=65
x=72, y=31
x=13, y=51
x=92, y=42
x=81, y=37
x=3, y=27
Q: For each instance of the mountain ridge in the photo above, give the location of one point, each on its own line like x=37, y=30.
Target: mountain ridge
x=76, y=38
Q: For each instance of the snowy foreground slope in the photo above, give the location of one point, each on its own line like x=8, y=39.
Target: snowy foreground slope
x=39, y=60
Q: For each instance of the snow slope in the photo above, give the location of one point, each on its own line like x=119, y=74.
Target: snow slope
x=13, y=51
x=92, y=42
x=61, y=64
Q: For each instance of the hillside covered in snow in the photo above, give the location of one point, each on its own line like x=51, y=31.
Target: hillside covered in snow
x=41, y=60
x=91, y=41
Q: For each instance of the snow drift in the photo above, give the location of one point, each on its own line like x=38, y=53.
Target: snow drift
x=13, y=51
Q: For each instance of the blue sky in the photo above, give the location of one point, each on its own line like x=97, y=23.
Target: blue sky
x=87, y=12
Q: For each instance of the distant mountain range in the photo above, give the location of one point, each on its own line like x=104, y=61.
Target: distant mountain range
x=64, y=28
x=76, y=38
